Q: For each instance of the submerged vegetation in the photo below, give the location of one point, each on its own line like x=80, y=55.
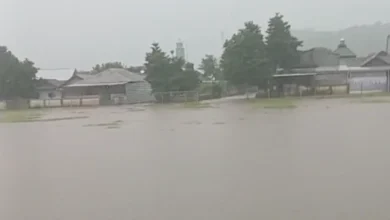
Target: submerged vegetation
x=20, y=116
x=277, y=103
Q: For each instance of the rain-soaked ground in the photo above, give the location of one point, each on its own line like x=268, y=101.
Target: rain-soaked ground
x=324, y=159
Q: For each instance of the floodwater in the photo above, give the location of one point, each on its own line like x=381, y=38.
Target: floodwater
x=325, y=159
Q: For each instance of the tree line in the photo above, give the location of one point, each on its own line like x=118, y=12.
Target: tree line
x=248, y=58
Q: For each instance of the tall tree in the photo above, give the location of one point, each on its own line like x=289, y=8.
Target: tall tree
x=17, y=78
x=136, y=69
x=168, y=73
x=109, y=65
x=282, y=47
x=210, y=67
x=244, y=58
x=158, y=69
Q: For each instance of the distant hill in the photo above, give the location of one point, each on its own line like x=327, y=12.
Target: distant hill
x=362, y=40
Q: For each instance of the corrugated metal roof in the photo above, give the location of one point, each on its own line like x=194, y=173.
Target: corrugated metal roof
x=369, y=69
x=109, y=77
x=95, y=84
x=386, y=59
x=342, y=68
x=352, y=61
x=293, y=74
x=343, y=51
x=57, y=74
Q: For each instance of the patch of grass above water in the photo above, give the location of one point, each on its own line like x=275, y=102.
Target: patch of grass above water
x=277, y=103
x=109, y=125
x=195, y=105
x=20, y=116
x=372, y=100
x=30, y=116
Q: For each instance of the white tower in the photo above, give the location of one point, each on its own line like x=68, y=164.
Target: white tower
x=180, y=51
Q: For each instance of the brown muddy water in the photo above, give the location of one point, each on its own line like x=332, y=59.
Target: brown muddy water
x=325, y=159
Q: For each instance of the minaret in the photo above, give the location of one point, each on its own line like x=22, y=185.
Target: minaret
x=180, y=51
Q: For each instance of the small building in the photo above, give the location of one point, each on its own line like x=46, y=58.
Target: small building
x=49, y=89
x=113, y=86
x=321, y=67
x=51, y=81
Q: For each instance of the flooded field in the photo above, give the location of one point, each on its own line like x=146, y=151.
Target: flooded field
x=318, y=159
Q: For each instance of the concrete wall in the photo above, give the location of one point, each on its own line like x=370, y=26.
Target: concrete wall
x=3, y=105
x=45, y=94
x=68, y=102
x=71, y=92
x=368, y=82
x=331, y=79
x=139, y=92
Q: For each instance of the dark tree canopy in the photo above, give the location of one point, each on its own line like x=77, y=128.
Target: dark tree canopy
x=282, y=47
x=17, y=78
x=210, y=67
x=244, y=58
x=109, y=65
x=136, y=69
x=167, y=73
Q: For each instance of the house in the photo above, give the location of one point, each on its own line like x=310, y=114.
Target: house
x=51, y=80
x=113, y=86
x=49, y=89
x=321, y=67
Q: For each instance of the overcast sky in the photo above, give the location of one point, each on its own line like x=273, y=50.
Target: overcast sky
x=81, y=33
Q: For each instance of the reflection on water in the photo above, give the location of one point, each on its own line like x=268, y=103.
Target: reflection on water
x=326, y=159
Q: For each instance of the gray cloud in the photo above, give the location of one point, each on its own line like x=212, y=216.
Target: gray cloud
x=82, y=33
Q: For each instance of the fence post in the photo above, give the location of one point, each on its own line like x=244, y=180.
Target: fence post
x=361, y=88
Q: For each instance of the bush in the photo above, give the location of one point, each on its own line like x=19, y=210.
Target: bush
x=216, y=90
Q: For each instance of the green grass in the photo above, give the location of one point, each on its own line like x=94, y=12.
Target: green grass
x=20, y=116
x=195, y=105
x=372, y=100
x=109, y=125
x=184, y=105
x=17, y=116
x=353, y=95
x=275, y=103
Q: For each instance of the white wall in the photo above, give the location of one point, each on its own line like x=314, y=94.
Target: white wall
x=45, y=94
x=2, y=105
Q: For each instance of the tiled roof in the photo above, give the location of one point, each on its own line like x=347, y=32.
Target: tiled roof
x=318, y=56
x=109, y=77
x=381, y=54
x=352, y=61
x=385, y=59
x=343, y=51
x=57, y=74
x=50, y=84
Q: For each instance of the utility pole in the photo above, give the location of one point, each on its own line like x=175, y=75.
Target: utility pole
x=387, y=44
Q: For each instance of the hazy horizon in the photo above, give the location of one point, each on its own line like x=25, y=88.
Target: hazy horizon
x=80, y=34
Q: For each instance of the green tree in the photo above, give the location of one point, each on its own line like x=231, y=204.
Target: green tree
x=168, y=73
x=136, y=69
x=109, y=65
x=17, y=78
x=282, y=47
x=158, y=69
x=210, y=67
x=244, y=58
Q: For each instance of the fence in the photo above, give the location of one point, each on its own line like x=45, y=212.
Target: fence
x=65, y=102
x=177, y=96
x=50, y=103
x=361, y=87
